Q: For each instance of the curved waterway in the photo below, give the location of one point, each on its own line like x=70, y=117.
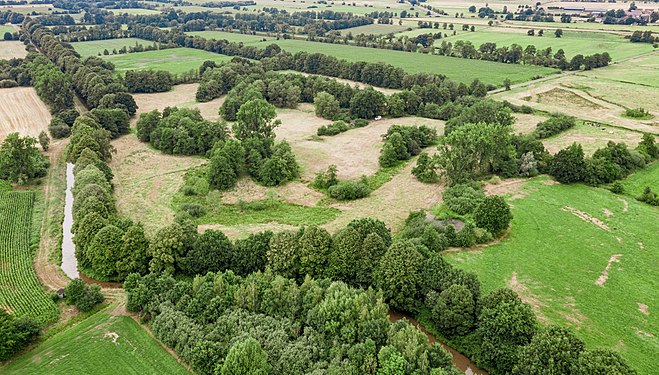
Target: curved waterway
x=459, y=360
x=69, y=261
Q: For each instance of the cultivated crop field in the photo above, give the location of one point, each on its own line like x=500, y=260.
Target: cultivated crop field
x=460, y=70
x=22, y=111
x=101, y=344
x=20, y=291
x=585, y=258
x=173, y=60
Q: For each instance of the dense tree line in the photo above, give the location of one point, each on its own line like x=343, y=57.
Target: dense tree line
x=15, y=333
x=92, y=78
x=556, y=124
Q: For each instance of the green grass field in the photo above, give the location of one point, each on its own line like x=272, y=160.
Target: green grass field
x=20, y=291
x=134, y=11
x=6, y=29
x=376, y=28
x=554, y=259
x=101, y=344
x=461, y=70
x=572, y=42
x=94, y=47
x=174, y=60
x=649, y=176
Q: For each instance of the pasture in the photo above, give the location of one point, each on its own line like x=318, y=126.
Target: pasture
x=96, y=47
x=10, y=49
x=100, y=344
x=591, y=138
x=583, y=257
x=20, y=291
x=22, y=111
x=635, y=183
x=173, y=60
x=461, y=70
x=572, y=42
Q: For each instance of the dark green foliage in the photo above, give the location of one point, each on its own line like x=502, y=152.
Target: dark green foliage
x=168, y=247
x=602, y=361
x=325, y=179
x=368, y=104
x=505, y=325
x=212, y=251
x=15, y=333
x=181, y=131
x=326, y=105
x=482, y=111
x=83, y=296
x=58, y=128
x=246, y=358
x=453, y=310
x=493, y=214
x=280, y=167
x=20, y=160
x=146, y=124
x=568, y=165
x=255, y=119
x=315, y=246
x=239, y=95
x=650, y=197
x=399, y=275
x=283, y=255
x=617, y=188
x=133, y=256
x=640, y=113
x=553, y=350
x=648, y=146
x=103, y=251
x=194, y=209
x=349, y=190
x=554, y=125
x=148, y=81
x=463, y=199
x=333, y=129
x=250, y=254
x=403, y=142
x=221, y=174
x=424, y=170
x=367, y=225
x=113, y=120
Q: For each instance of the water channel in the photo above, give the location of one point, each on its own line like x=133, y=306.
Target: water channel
x=69, y=261
x=459, y=360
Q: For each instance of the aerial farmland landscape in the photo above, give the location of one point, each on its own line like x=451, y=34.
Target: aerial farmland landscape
x=385, y=187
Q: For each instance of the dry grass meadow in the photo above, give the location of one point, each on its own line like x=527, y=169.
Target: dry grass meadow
x=22, y=111
x=12, y=49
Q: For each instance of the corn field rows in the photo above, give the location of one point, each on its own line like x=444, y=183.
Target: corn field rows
x=20, y=291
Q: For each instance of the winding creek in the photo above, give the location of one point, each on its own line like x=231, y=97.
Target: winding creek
x=459, y=360
x=69, y=261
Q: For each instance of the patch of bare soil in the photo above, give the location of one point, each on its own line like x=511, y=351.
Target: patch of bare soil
x=587, y=218
x=355, y=152
x=527, y=296
x=511, y=186
x=573, y=315
x=625, y=204
x=181, y=96
x=22, y=111
x=643, y=309
x=615, y=258
x=563, y=97
x=607, y=212
x=391, y=203
x=641, y=246
x=10, y=49
x=549, y=182
x=146, y=179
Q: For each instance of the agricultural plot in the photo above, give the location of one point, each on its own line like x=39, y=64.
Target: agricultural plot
x=135, y=11
x=572, y=42
x=585, y=258
x=10, y=49
x=22, y=111
x=377, y=29
x=591, y=138
x=173, y=60
x=101, y=344
x=7, y=29
x=20, y=291
x=96, y=47
x=461, y=70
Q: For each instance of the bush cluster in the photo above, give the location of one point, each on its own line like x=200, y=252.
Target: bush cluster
x=349, y=190
x=554, y=125
x=403, y=142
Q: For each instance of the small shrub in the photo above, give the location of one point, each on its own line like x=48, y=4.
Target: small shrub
x=425, y=169
x=463, y=198
x=640, y=113
x=359, y=123
x=194, y=209
x=617, y=188
x=333, y=129
x=8, y=83
x=649, y=197
x=349, y=190
x=325, y=179
x=554, y=125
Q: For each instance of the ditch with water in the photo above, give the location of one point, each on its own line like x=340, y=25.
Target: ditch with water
x=69, y=261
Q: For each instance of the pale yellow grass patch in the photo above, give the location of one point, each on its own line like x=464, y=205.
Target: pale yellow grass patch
x=10, y=49
x=182, y=96
x=587, y=218
x=22, y=111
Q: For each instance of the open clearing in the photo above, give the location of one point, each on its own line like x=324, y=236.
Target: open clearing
x=22, y=111
x=96, y=47
x=591, y=138
x=461, y=70
x=173, y=60
x=10, y=49
x=560, y=264
x=181, y=96
x=649, y=176
x=100, y=344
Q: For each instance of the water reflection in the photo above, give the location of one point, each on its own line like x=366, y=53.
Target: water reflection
x=69, y=261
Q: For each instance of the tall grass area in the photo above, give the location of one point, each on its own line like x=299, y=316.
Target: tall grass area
x=648, y=176
x=460, y=70
x=101, y=344
x=557, y=257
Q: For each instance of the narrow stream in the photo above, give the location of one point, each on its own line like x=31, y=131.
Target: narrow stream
x=459, y=360
x=69, y=261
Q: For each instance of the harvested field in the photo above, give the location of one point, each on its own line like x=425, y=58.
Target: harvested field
x=591, y=138
x=12, y=49
x=526, y=124
x=22, y=111
x=146, y=179
x=180, y=95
